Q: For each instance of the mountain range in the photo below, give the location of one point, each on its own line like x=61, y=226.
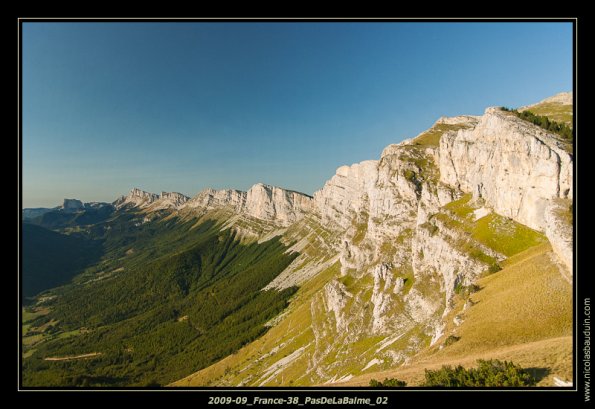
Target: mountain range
x=453, y=246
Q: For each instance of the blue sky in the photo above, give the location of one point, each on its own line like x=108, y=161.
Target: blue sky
x=184, y=106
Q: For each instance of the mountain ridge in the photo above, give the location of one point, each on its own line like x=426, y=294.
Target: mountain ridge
x=413, y=229
x=385, y=257
x=265, y=202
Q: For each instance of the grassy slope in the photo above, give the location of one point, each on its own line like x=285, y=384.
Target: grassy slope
x=496, y=232
x=522, y=313
x=555, y=111
x=432, y=136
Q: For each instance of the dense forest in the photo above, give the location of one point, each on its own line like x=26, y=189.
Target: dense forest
x=51, y=259
x=169, y=297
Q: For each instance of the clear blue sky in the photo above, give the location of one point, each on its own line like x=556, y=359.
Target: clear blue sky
x=184, y=106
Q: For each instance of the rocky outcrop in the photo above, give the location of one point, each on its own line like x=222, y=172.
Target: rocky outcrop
x=467, y=120
x=151, y=201
x=514, y=165
x=72, y=205
x=385, y=284
x=272, y=203
x=336, y=296
x=137, y=198
x=169, y=200
x=209, y=199
x=437, y=250
x=263, y=202
x=559, y=230
x=343, y=196
x=563, y=98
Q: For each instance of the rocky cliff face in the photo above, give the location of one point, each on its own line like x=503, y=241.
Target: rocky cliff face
x=345, y=194
x=151, y=201
x=137, y=198
x=262, y=202
x=411, y=231
x=558, y=218
x=515, y=166
x=210, y=199
x=519, y=169
x=173, y=200
x=272, y=203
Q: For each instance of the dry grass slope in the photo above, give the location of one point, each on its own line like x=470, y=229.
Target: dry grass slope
x=432, y=136
x=555, y=111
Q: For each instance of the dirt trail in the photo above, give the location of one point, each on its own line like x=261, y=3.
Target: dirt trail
x=72, y=358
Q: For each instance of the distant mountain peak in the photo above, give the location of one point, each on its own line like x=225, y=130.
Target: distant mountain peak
x=76, y=205
x=72, y=204
x=140, y=198
x=136, y=192
x=136, y=197
x=562, y=98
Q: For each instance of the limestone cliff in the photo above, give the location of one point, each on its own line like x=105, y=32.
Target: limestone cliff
x=210, y=199
x=515, y=166
x=171, y=200
x=272, y=203
x=263, y=202
x=137, y=198
x=518, y=168
x=409, y=231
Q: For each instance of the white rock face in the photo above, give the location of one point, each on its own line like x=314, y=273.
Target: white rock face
x=559, y=232
x=384, y=213
x=336, y=297
x=384, y=285
x=458, y=120
x=515, y=166
x=395, y=147
x=169, y=200
x=435, y=253
x=481, y=212
x=344, y=194
x=264, y=202
x=151, y=201
x=273, y=203
x=209, y=199
x=138, y=198
x=399, y=284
